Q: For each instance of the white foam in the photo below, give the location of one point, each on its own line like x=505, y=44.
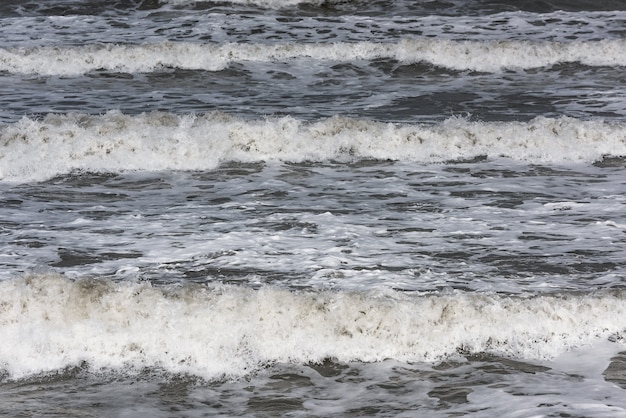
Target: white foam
x=48, y=322
x=489, y=56
x=115, y=142
x=272, y=4
x=573, y=385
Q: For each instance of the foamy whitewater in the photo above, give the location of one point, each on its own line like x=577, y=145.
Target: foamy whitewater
x=500, y=55
x=312, y=208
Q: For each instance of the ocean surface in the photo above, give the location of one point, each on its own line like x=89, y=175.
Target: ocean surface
x=309, y=208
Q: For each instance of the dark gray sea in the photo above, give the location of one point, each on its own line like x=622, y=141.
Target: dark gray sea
x=312, y=208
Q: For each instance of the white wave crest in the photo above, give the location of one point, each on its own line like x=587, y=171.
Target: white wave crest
x=488, y=56
x=48, y=323
x=271, y=4
x=33, y=150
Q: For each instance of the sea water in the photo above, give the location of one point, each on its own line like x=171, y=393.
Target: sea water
x=312, y=208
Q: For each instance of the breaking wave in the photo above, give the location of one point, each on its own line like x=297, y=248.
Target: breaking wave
x=114, y=142
x=487, y=56
x=48, y=323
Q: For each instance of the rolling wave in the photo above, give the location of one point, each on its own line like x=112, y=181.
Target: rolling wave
x=271, y=4
x=50, y=323
x=485, y=56
x=115, y=142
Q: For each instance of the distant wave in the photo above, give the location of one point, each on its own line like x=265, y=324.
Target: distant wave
x=272, y=4
x=49, y=323
x=32, y=150
x=488, y=56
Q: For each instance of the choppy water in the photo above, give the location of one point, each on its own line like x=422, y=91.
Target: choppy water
x=288, y=208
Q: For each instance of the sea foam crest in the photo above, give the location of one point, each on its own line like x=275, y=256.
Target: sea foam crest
x=48, y=322
x=32, y=150
x=272, y=4
x=488, y=56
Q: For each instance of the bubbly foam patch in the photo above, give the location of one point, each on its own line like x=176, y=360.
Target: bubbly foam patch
x=48, y=322
x=489, y=56
x=114, y=142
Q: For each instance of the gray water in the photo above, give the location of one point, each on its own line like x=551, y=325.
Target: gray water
x=312, y=208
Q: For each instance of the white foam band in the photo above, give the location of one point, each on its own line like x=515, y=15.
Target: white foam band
x=274, y=4
x=114, y=142
x=489, y=56
x=48, y=323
